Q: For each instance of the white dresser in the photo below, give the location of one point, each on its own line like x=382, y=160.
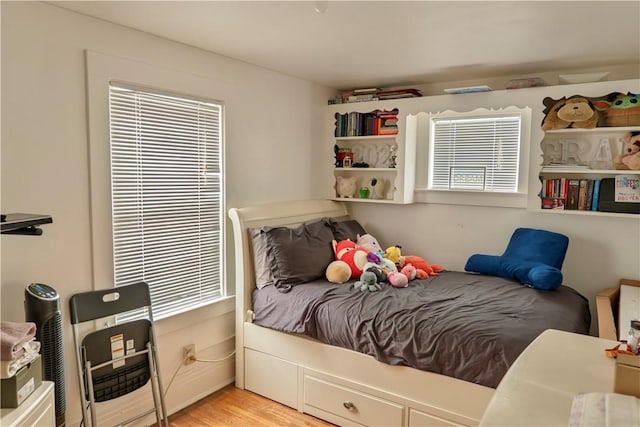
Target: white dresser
x=539, y=387
x=37, y=410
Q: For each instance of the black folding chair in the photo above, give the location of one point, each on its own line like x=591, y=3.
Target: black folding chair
x=119, y=359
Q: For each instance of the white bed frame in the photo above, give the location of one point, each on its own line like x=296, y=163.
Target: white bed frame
x=341, y=386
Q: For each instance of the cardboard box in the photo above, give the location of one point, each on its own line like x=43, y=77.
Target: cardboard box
x=16, y=389
x=627, y=379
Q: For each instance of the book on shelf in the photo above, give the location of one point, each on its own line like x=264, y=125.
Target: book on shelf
x=373, y=94
x=362, y=98
x=589, y=197
x=582, y=194
x=627, y=188
x=372, y=90
x=578, y=194
x=377, y=122
x=573, y=193
x=596, y=195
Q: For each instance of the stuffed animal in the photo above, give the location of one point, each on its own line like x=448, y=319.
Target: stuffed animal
x=392, y=253
x=630, y=156
x=369, y=244
x=338, y=272
x=421, y=264
x=409, y=271
x=368, y=282
x=346, y=186
x=353, y=255
x=424, y=269
x=620, y=109
x=398, y=280
x=574, y=112
x=381, y=275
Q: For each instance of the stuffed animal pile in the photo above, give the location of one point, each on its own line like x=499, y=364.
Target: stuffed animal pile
x=365, y=260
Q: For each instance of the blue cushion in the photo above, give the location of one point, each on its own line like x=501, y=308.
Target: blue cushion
x=533, y=257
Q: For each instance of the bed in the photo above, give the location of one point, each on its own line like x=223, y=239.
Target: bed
x=341, y=376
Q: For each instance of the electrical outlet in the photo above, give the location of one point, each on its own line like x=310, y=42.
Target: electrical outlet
x=189, y=354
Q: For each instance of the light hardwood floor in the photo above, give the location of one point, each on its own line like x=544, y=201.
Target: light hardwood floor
x=239, y=408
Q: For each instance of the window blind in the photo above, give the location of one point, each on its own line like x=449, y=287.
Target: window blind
x=167, y=200
x=475, y=153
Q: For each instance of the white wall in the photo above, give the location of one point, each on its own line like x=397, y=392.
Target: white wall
x=271, y=126
x=602, y=249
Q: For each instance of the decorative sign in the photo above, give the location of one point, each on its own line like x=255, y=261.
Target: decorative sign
x=467, y=178
x=627, y=188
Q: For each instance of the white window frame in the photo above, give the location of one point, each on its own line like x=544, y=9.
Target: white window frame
x=101, y=70
x=517, y=199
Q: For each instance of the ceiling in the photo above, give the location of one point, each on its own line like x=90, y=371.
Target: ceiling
x=392, y=43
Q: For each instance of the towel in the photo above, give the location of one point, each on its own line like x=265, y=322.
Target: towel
x=8, y=368
x=12, y=336
x=604, y=410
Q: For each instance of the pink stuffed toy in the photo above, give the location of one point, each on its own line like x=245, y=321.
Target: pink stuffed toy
x=397, y=279
x=409, y=271
x=353, y=255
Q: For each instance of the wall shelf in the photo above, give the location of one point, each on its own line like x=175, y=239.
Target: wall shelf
x=23, y=223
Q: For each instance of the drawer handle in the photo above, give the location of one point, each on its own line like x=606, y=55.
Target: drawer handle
x=349, y=405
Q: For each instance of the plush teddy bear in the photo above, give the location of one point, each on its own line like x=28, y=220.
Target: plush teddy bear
x=574, y=112
x=630, y=156
x=346, y=186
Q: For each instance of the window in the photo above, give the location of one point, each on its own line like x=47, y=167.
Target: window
x=474, y=154
x=167, y=196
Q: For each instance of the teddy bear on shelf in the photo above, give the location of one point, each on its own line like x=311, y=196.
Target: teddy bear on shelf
x=630, y=156
x=574, y=112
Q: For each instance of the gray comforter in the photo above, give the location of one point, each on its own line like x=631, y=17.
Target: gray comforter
x=467, y=326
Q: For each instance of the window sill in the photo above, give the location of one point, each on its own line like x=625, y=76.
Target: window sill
x=202, y=314
x=471, y=198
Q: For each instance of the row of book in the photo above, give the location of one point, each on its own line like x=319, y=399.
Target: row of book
x=377, y=122
x=374, y=94
x=570, y=194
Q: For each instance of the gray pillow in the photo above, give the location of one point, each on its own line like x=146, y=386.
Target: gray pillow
x=286, y=257
x=345, y=228
x=261, y=267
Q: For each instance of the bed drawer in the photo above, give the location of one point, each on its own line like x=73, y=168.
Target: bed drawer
x=350, y=404
x=271, y=377
x=420, y=419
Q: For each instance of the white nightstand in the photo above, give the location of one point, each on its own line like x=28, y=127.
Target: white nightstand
x=37, y=410
x=539, y=387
